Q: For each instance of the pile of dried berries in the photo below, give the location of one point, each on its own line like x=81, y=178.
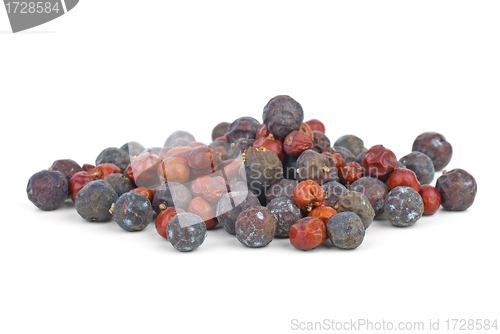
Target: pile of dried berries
x=277, y=179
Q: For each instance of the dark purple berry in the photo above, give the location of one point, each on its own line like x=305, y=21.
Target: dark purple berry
x=317, y=167
x=346, y=154
x=47, y=189
x=133, y=148
x=287, y=213
x=284, y=188
x=282, y=115
x=255, y=227
x=374, y=189
x=263, y=169
x=321, y=143
x=220, y=130
x=239, y=147
x=352, y=143
x=172, y=194
x=94, y=201
x=120, y=183
x=243, y=127
x=114, y=156
x=421, y=164
x=458, y=189
x=403, y=206
x=133, y=212
x=186, y=231
x=358, y=203
x=332, y=189
x=435, y=146
x=231, y=205
x=66, y=166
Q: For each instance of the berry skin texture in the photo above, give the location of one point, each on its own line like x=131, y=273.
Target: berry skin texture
x=133, y=212
x=307, y=130
x=262, y=132
x=296, y=143
x=436, y=147
x=66, y=166
x=351, y=172
x=255, y=227
x=78, y=181
x=358, y=203
x=346, y=230
x=171, y=194
x=104, y=170
x=403, y=177
x=94, y=201
x=316, y=125
x=314, y=166
x=173, y=170
x=199, y=206
x=323, y=212
x=163, y=218
x=243, y=127
x=271, y=144
x=115, y=156
x=186, y=231
x=403, y=206
x=146, y=192
x=282, y=115
x=333, y=190
x=308, y=195
x=286, y=213
x=231, y=205
x=120, y=183
x=263, y=169
x=374, y=189
x=421, y=164
x=307, y=233
x=352, y=143
x=431, y=198
x=321, y=143
x=204, y=158
x=458, y=189
x=133, y=148
x=379, y=162
x=47, y=189
x=284, y=188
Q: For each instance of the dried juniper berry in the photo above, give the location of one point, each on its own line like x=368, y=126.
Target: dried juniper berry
x=307, y=233
x=262, y=132
x=403, y=206
x=421, y=164
x=352, y=143
x=358, y=203
x=346, y=154
x=239, y=147
x=120, y=183
x=431, y=198
x=163, y=218
x=282, y=115
x=286, y=213
x=333, y=190
x=115, y=156
x=220, y=130
x=436, y=147
x=132, y=211
x=321, y=143
x=47, y=189
x=308, y=195
x=231, y=205
x=184, y=135
x=379, y=162
x=458, y=189
x=171, y=194
x=323, y=212
x=317, y=167
x=263, y=169
x=346, y=230
x=296, y=143
x=316, y=125
x=284, y=188
x=199, y=206
x=271, y=144
x=255, y=227
x=133, y=148
x=66, y=166
x=78, y=181
x=403, y=177
x=374, y=189
x=243, y=127
x=349, y=173
x=186, y=231
x=94, y=201
x=204, y=158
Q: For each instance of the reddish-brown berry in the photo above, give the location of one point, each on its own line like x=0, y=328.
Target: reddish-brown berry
x=163, y=219
x=307, y=130
x=103, y=170
x=78, y=181
x=173, y=170
x=323, y=212
x=307, y=233
x=262, y=132
x=403, y=177
x=199, y=206
x=431, y=198
x=351, y=172
x=337, y=158
x=271, y=144
x=379, y=162
x=146, y=192
x=316, y=125
x=296, y=143
x=308, y=195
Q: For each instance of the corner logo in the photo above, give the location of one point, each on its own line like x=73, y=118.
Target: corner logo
x=28, y=14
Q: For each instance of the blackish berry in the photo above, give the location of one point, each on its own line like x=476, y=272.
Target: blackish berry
x=231, y=205
x=171, y=194
x=346, y=154
x=346, y=230
x=290, y=168
x=94, y=201
x=282, y=115
x=352, y=143
x=332, y=189
x=114, y=156
x=243, y=127
x=186, y=231
x=284, y=188
x=421, y=164
x=239, y=147
x=133, y=212
x=321, y=143
x=287, y=213
x=436, y=147
x=374, y=189
x=358, y=203
x=66, y=166
x=47, y=189
x=317, y=167
x=120, y=183
x=263, y=169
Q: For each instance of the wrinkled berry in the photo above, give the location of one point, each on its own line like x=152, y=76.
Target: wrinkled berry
x=337, y=158
x=374, y=189
x=186, y=231
x=94, y=201
x=173, y=170
x=204, y=158
x=323, y=212
x=239, y=147
x=379, y=162
x=307, y=233
x=306, y=129
x=133, y=212
x=358, y=203
x=88, y=167
x=346, y=154
x=231, y=205
x=321, y=142
x=78, y=181
x=403, y=177
x=199, y=206
x=282, y=115
x=220, y=130
x=435, y=146
x=421, y=164
x=296, y=143
x=47, y=189
x=403, y=206
x=431, y=198
x=271, y=144
x=458, y=189
x=262, y=132
x=213, y=188
x=351, y=172
x=66, y=166
x=333, y=190
x=308, y=195
x=263, y=169
x=284, y=188
x=286, y=213
x=317, y=167
x=351, y=142
x=103, y=170
x=143, y=170
x=120, y=183
x=163, y=218
x=146, y=192
x=243, y=127
x=255, y=227
x=113, y=155
x=346, y=230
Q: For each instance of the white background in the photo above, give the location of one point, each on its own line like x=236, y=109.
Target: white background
x=117, y=70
